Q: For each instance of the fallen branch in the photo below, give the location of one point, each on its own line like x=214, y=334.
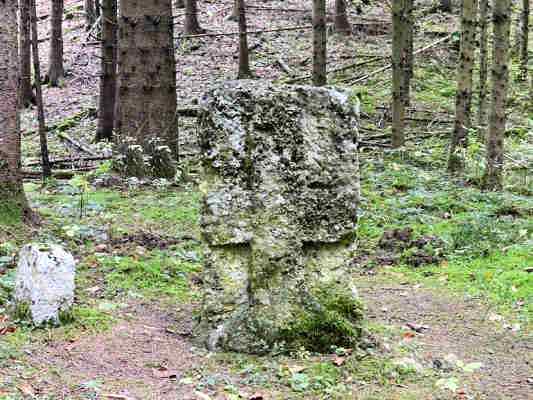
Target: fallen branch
x=284, y=67
x=58, y=174
x=340, y=69
x=373, y=73
x=63, y=136
x=68, y=123
x=70, y=160
x=294, y=28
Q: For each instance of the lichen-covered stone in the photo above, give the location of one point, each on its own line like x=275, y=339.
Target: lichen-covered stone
x=281, y=191
x=44, y=285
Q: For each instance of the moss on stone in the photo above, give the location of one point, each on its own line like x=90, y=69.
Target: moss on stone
x=332, y=317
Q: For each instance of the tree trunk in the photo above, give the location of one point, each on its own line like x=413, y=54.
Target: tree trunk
x=47, y=170
x=483, y=61
x=399, y=28
x=244, y=57
x=26, y=91
x=234, y=11
x=55, y=69
x=319, y=43
x=146, y=103
x=463, y=98
x=493, y=179
x=446, y=6
x=408, y=51
x=524, y=40
x=90, y=14
x=192, y=26
x=97, y=8
x=342, y=25
x=517, y=34
x=13, y=202
x=108, y=79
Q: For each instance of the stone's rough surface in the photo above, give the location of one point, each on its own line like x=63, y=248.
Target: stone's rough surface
x=45, y=282
x=281, y=192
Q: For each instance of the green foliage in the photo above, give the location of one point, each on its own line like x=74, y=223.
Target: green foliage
x=332, y=318
x=157, y=275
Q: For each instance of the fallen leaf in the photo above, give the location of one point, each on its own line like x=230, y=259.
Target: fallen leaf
x=100, y=248
x=338, y=361
x=26, y=389
x=408, y=335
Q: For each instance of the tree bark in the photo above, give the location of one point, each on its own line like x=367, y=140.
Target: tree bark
x=244, y=56
x=463, y=98
x=408, y=51
x=342, y=25
x=90, y=14
x=319, y=43
x=146, y=103
x=13, y=204
x=97, y=8
x=26, y=91
x=524, y=40
x=45, y=160
x=108, y=78
x=493, y=179
x=399, y=28
x=55, y=69
x=234, y=16
x=516, y=44
x=192, y=26
x=483, y=61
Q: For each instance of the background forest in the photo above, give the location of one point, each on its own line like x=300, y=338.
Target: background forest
x=108, y=166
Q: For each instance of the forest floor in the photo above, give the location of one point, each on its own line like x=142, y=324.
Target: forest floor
x=445, y=270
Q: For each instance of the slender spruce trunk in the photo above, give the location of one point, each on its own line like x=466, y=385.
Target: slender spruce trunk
x=47, y=170
x=463, y=98
x=108, y=78
x=55, y=61
x=192, y=26
x=26, y=92
x=90, y=14
x=524, y=40
x=342, y=24
x=483, y=62
x=493, y=179
x=408, y=51
x=398, y=71
x=244, y=56
x=319, y=43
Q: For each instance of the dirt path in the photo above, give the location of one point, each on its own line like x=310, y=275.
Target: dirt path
x=141, y=357
x=148, y=355
x=451, y=325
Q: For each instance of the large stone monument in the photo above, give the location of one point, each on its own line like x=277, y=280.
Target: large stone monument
x=281, y=191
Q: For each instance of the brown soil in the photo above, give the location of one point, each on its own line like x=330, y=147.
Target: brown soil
x=462, y=327
x=148, y=353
